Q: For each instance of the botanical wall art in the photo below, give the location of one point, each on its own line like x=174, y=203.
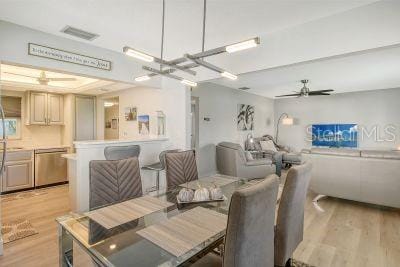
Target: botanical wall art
x=245, y=117
x=130, y=113
x=144, y=124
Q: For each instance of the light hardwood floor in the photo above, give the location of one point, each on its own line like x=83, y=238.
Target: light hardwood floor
x=347, y=234
x=40, y=249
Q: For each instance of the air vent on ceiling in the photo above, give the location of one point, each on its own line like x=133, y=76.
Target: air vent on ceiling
x=244, y=88
x=79, y=33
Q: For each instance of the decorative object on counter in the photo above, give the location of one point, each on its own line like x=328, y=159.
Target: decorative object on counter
x=160, y=122
x=245, y=117
x=186, y=195
x=201, y=194
x=130, y=113
x=114, y=123
x=17, y=229
x=144, y=124
x=216, y=193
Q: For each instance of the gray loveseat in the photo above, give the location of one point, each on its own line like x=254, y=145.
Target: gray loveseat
x=231, y=160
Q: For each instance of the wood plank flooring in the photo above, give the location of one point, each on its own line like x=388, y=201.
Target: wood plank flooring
x=40, y=249
x=347, y=234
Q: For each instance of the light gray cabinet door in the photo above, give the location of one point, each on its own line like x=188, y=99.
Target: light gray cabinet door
x=38, y=108
x=55, y=109
x=17, y=175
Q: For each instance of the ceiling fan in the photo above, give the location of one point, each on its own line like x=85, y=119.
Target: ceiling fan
x=43, y=79
x=305, y=91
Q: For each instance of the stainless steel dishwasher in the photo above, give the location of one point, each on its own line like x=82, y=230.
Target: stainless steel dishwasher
x=50, y=167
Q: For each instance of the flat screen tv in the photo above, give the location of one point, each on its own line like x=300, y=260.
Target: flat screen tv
x=334, y=135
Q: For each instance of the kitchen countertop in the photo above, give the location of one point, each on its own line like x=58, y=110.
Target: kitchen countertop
x=69, y=156
x=18, y=148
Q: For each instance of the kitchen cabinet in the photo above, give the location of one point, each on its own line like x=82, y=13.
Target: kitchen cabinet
x=44, y=108
x=18, y=171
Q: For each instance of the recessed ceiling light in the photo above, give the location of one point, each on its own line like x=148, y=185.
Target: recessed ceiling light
x=108, y=104
x=142, y=78
x=190, y=83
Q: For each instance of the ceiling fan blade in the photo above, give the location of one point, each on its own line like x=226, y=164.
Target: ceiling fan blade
x=324, y=91
x=16, y=74
x=288, y=95
x=318, y=93
x=61, y=79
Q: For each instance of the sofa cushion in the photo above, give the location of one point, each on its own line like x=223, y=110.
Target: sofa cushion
x=381, y=154
x=258, y=162
x=349, y=152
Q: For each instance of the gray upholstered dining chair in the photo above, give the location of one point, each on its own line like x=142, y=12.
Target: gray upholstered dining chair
x=249, y=239
x=180, y=167
x=121, y=152
x=113, y=181
x=158, y=166
x=290, y=218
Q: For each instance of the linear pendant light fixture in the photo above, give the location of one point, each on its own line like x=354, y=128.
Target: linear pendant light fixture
x=196, y=59
x=137, y=54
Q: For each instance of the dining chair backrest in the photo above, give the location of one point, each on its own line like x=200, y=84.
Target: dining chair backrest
x=249, y=237
x=121, y=152
x=162, y=156
x=113, y=181
x=180, y=167
x=290, y=218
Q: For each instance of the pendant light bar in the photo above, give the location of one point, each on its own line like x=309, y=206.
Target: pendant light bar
x=212, y=67
x=137, y=54
x=167, y=73
x=243, y=45
x=190, y=83
x=142, y=78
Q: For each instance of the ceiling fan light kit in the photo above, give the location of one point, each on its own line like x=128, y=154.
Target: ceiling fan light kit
x=196, y=59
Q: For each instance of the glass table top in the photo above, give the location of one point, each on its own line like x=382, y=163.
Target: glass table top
x=122, y=246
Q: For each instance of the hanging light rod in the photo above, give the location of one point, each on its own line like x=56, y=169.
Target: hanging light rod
x=229, y=75
x=167, y=73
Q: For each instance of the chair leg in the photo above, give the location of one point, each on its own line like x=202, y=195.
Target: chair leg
x=158, y=181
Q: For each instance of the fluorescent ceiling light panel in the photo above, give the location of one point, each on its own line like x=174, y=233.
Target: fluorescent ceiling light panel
x=142, y=78
x=108, y=104
x=228, y=75
x=242, y=45
x=137, y=54
x=190, y=83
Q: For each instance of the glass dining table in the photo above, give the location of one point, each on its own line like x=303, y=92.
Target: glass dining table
x=123, y=246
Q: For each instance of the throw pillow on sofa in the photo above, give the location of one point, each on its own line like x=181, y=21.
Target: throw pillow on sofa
x=268, y=145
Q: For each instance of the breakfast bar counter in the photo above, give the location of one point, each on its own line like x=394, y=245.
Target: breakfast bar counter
x=86, y=151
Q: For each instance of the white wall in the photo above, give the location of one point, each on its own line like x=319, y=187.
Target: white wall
x=369, y=109
x=172, y=100
x=220, y=104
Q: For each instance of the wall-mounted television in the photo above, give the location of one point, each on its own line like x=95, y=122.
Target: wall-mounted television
x=334, y=135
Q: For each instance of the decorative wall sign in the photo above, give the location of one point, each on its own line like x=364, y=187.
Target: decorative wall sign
x=245, y=117
x=70, y=57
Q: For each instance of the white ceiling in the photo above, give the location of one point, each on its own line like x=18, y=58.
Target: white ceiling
x=369, y=70
x=138, y=23
x=81, y=85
